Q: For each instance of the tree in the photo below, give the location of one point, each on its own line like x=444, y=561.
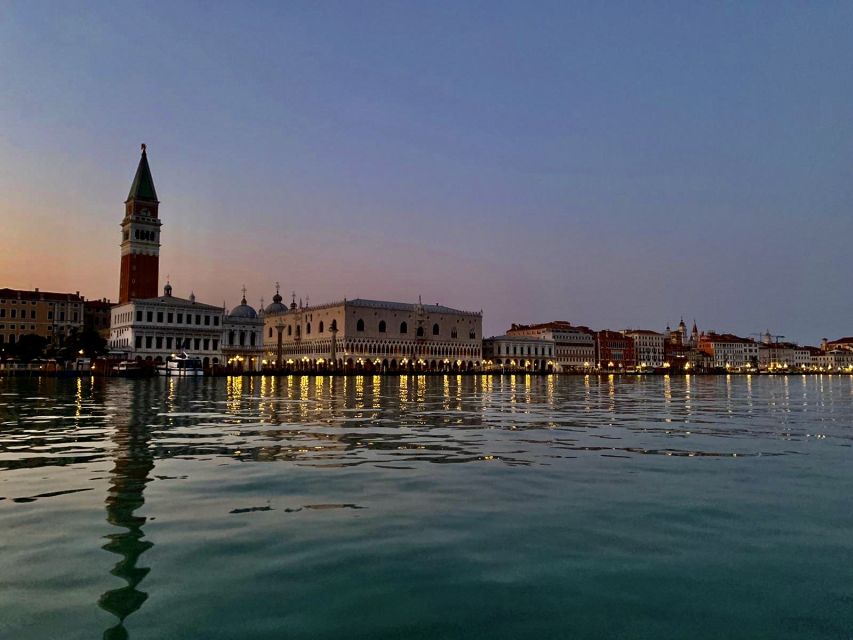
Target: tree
x=28, y=347
x=88, y=341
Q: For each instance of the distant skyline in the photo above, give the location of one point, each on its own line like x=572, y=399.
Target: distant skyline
x=610, y=164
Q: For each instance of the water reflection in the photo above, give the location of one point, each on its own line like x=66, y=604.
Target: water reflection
x=333, y=421
x=133, y=463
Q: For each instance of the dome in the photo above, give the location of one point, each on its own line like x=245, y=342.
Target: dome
x=276, y=306
x=243, y=310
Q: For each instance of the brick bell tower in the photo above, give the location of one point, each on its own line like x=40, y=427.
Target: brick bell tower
x=140, y=238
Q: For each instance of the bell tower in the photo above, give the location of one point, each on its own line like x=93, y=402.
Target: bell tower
x=140, y=237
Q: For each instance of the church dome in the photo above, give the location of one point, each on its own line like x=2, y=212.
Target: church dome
x=276, y=306
x=243, y=310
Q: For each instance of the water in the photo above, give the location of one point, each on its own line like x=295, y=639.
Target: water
x=632, y=507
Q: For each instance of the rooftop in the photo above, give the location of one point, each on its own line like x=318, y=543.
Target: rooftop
x=20, y=294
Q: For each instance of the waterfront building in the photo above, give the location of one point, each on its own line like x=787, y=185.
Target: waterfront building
x=372, y=335
x=648, y=347
x=729, y=351
x=835, y=360
x=614, y=350
x=841, y=343
x=805, y=357
x=519, y=353
x=574, y=346
x=97, y=315
x=53, y=316
x=243, y=338
x=776, y=355
x=151, y=329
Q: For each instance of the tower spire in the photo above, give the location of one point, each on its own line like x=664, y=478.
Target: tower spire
x=142, y=187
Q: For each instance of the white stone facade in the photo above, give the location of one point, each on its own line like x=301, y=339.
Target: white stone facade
x=519, y=353
x=574, y=347
x=154, y=328
x=372, y=335
x=648, y=347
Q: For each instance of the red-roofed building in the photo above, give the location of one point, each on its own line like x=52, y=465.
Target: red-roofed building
x=614, y=350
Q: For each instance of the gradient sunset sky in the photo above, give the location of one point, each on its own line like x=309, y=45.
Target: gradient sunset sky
x=610, y=164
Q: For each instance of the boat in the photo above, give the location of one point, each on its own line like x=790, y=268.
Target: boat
x=182, y=365
x=131, y=369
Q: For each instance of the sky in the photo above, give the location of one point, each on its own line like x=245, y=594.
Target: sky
x=613, y=164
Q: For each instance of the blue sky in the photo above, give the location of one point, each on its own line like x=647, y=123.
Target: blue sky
x=611, y=164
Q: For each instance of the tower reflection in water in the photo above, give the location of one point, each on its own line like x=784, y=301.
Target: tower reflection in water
x=134, y=460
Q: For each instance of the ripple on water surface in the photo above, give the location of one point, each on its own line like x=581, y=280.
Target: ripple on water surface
x=451, y=506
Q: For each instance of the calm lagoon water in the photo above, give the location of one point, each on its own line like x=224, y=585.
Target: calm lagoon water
x=493, y=507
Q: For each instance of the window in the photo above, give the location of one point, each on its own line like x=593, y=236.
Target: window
x=207, y=321
x=33, y=315
x=453, y=333
x=435, y=329
x=471, y=335
x=270, y=332
x=159, y=342
x=3, y=313
x=252, y=338
x=160, y=317
x=197, y=341
x=148, y=342
x=231, y=337
x=359, y=326
x=404, y=328
x=169, y=343
x=242, y=338
x=420, y=332
x=180, y=318
x=215, y=321
x=197, y=320
x=15, y=313
x=215, y=344
x=170, y=317
x=381, y=326
x=308, y=328
x=321, y=326
x=207, y=344
x=289, y=330
x=76, y=316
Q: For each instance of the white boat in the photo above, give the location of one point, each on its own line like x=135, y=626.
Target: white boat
x=182, y=365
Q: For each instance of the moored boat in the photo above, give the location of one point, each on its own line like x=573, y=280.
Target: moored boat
x=182, y=365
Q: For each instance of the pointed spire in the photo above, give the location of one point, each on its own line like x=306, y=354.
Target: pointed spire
x=142, y=187
x=243, y=301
